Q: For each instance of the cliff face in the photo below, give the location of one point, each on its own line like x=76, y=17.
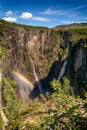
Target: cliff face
x=24, y=45
x=38, y=54
x=76, y=69
x=31, y=52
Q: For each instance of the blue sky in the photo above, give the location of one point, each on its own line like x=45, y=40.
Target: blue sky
x=49, y=13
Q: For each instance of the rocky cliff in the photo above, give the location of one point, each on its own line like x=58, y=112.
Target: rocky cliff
x=36, y=55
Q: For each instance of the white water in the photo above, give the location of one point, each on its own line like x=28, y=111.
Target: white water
x=36, y=78
x=62, y=71
x=3, y=116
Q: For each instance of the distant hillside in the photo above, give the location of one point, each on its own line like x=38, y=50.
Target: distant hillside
x=73, y=25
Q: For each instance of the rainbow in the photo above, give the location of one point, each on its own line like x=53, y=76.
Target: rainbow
x=18, y=76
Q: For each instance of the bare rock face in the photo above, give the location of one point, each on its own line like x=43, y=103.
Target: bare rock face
x=78, y=61
x=80, y=55
x=81, y=67
x=47, y=49
x=24, y=45
x=31, y=44
x=76, y=69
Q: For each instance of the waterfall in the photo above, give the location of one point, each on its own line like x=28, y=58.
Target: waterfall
x=62, y=71
x=3, y=116
x=36, y=77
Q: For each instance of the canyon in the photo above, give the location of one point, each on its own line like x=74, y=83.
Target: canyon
x=41, y=54
x=31, y=59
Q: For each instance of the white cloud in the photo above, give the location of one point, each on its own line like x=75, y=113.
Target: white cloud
x=10, y=19
x=9, y=13
x=78, y=7
x=69, y=13
x=40, y=19
x=26, y=15
x=58, y=12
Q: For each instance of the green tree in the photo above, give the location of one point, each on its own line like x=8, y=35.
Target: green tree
x=62, y=108
x=13, y=104
x=57, y=111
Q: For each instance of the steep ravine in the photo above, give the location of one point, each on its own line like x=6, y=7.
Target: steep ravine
x=40, y=54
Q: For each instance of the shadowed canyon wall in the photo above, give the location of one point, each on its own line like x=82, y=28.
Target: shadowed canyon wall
x=39, y=55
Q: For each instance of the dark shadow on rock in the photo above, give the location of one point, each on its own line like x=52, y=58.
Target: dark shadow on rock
x=53, y=73
x=35, y=92
x=45, y=82
x=78, y=79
